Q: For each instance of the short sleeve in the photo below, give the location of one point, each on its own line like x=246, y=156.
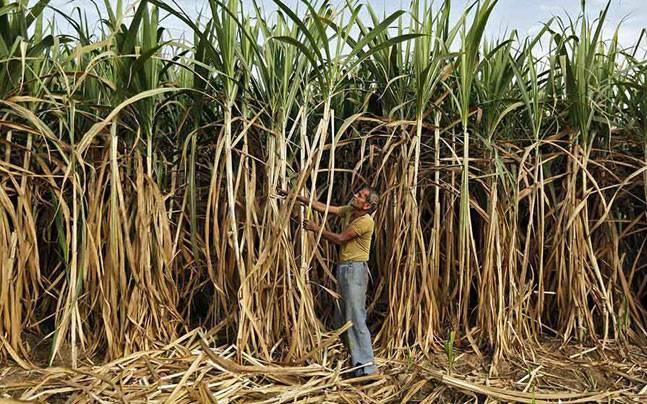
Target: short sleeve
x=345, y=210
x=362, y=225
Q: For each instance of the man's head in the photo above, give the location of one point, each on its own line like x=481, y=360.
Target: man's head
x=365, y=200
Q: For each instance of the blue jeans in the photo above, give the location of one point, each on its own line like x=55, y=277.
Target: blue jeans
x=352, y=280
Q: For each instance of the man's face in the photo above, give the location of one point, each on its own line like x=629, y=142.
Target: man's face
x=360, y=200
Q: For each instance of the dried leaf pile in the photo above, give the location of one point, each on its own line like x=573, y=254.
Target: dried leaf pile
x=192, y=370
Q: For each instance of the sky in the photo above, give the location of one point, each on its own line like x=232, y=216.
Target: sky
x=526, y=16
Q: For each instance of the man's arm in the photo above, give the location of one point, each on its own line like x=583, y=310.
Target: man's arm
x=320, y=206
x=316, y=205
x=337, y=238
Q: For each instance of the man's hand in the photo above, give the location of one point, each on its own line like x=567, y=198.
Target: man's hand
x=282, y=192
x=310, y=226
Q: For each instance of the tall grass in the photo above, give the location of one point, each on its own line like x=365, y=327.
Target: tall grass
x=137, y=196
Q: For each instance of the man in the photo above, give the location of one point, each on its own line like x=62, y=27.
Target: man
x=352, y=269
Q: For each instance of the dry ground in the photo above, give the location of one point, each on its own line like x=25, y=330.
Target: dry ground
x=189, y=371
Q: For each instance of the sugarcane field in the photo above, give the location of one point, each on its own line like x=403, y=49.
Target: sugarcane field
x=347, y=201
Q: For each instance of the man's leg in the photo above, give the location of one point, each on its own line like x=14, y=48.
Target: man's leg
x=339, y=317
x=353, y=281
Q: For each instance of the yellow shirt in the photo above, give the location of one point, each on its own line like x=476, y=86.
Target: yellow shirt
x=358, y=248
